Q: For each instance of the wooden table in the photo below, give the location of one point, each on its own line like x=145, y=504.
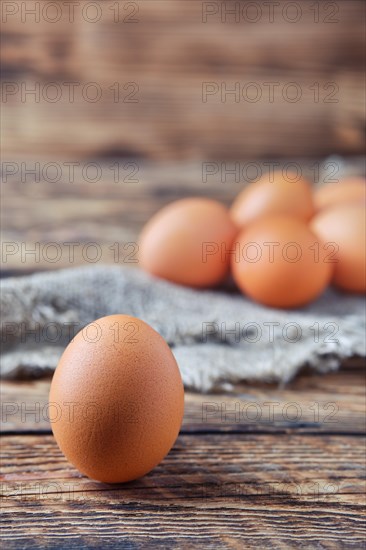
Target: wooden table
x=288, y=472
x=293, y=478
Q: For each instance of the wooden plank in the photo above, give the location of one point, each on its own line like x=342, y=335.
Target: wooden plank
x=115, y=523
x=332, y=403
x=187, y=125
x=169, y=53
x=336, y=463
x=182, y=38
x=272, y=491
x=105, y=212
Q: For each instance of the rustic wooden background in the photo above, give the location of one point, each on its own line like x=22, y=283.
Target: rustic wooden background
x=162, y=52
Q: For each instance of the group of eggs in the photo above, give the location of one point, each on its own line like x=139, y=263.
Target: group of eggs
x=282, y=241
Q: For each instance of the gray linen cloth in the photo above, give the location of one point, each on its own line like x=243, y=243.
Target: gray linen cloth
x=218, y=337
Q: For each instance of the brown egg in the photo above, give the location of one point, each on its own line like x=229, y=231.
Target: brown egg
x=344, y=229
x=348, y=190
x=186, y=242
x=280, y=263
x=283, y=195
x=116, y=399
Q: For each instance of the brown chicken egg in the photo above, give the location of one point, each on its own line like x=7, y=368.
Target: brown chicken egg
x=186, y=242
x=343, y=230
x=348, y=190
x=279, y=262
x=116, y=399
x=279, y=194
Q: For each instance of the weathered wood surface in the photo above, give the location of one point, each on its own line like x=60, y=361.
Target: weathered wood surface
x=274, y=484
x=161, y=63
x=150, y=517
x=256, y=461
x=310, y=404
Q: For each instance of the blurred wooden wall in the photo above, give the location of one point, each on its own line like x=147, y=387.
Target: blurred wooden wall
x=163, y=52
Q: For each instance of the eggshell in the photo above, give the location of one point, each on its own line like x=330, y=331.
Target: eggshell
x=116, y=399
x=348, y=190
x=283, y=195
x=345, y=227
x=186, y=242
x=277, y=264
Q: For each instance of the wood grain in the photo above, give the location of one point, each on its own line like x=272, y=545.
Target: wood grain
x=169, y=54
x=115, y=523
x=223, y=485
x=332, y=403
x=267, y=490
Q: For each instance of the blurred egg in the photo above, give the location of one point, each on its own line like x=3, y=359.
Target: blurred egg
x=279, y=262
x=348, y=190
x=343, y=230
x=186, y=242
x=116, y=399
x=277, y=195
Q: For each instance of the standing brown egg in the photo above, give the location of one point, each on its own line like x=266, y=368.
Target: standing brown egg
x=117, y=399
